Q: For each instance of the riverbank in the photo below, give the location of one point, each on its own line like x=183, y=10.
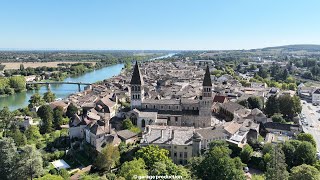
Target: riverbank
x=16, y=65
x=20, y=100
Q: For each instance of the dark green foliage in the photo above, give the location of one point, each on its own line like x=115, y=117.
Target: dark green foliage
x=46, y=114
x=305, y=172
x=276, y=167
x=71, y=111
x=58, y=116
x=217, y=164
x=49, y=97
x=278, y=118
x=307, y=137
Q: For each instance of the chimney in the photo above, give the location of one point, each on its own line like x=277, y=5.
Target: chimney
x=161, y=133
x=172, y=134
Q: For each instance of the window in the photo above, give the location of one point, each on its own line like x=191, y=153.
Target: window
x=175, y=147
x=180, y=154
x=185, y=147
x=176, y=118
x=185, y=154
x=143, y=123
x=175, y=154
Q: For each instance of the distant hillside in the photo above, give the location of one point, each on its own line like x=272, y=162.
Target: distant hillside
x=297, y=47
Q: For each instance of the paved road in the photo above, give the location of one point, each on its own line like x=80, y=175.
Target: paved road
x=312, y=117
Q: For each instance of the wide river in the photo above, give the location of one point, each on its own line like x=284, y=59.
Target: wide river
x=20, y=100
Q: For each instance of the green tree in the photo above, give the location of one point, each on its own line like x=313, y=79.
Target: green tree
x=307, y=137
x=216, y=164
x=35, y=101
x=46, y=114
x=130, y=169
x=49, y=97
x=258, y=177
x=152, y=154
x=64, y=174
x=21, y=67
x=246, y=153
x=272, y=106
x=58, y=116
x=255, y=102
x=305, y=154
x=276, y=168
x=32, y=133
x=18, y=137
x=108, y=158
x=30, y=162
x=6, y=117
x=278, y=118
x=8, y=154
x=127, y=124
x=288, y=150
x=286, y=106
x=71, y=111
x=18, y=83
x=50, y=177
x=305, y=172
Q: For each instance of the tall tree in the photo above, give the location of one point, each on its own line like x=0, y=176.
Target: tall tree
x=32, y=133
x=58, y=116
x=217, y=164
x=305, y=172
x=272, y=106
x=277, y=168
x=131, y=169
x=307, y=137
x=108, y=158
x=6, y=117
x=152, y=154
x=8, y=153
x=288, y=150
x=246, y=153
x=35, y=101
x=46, y=114
x=71, y=111
x=305, y=154
x=30, y=162
x=49, y=97
x=255, y=102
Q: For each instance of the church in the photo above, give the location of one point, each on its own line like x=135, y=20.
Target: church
x=182, y=112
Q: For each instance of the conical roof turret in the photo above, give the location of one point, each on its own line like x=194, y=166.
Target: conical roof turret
x=207, y=78
x=136, y=76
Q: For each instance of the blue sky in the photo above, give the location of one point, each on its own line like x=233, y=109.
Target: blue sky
x=157, y=24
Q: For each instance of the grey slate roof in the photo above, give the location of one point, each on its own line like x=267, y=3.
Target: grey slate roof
x=170, y=135
x=212, y=133
x=126, y=134
x=207, y=78
x=136, y=76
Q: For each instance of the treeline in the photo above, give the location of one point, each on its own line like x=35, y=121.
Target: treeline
x=51, y=56
x=11, y=85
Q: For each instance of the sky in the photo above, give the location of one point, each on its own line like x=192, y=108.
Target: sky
x=157, y=24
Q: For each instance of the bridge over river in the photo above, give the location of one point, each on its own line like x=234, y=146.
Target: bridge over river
x=59, y=82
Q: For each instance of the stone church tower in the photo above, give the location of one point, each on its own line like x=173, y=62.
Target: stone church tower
x=205, y=110
x=137, y=92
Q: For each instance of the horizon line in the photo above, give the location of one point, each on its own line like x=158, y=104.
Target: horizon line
x=107, y=49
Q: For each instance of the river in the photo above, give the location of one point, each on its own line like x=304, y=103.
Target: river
x=20, y=100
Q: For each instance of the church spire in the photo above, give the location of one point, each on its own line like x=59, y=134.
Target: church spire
x=207, y=78
x=136, y=76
